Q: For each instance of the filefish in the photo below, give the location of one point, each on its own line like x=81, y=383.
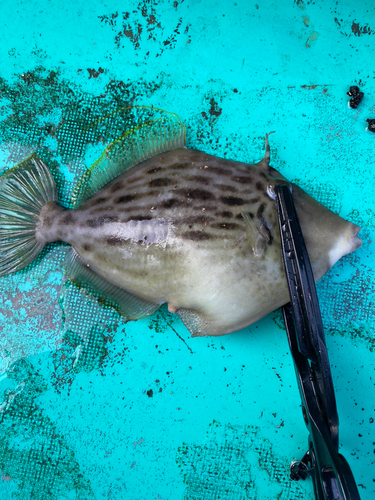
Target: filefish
x=154, y=222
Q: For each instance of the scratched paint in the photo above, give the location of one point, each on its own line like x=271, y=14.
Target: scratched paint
x=91, y=404
x=32, y=452
x=145, y=23
x=236, y=462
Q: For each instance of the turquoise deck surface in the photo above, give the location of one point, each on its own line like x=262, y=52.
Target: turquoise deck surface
x=93, y=408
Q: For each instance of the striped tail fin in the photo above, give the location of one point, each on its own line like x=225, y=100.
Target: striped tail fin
x=24, y=189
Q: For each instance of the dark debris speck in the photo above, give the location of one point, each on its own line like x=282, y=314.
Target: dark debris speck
x=371, y=124
x=356, y=96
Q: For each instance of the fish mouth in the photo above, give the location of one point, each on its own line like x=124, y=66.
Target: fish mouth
x=349, y=242
x=355, y=241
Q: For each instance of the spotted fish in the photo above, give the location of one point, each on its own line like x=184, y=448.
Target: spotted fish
x=155, y=222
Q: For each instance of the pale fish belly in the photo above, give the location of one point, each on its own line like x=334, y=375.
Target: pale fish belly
x=173, y=229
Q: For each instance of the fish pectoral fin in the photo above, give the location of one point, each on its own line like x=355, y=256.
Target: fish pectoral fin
x=89, y=282
x=258, y=233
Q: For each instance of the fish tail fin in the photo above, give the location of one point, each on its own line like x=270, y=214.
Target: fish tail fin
x=24, y=190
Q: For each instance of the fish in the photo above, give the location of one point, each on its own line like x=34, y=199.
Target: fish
x=155, y=222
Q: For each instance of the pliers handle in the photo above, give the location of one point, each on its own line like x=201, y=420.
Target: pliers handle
x=331, y=473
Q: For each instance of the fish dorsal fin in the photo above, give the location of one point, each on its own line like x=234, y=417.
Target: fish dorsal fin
x=151, y=138
x=90, y=283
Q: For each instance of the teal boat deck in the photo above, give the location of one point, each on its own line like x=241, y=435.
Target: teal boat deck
x=95, y=408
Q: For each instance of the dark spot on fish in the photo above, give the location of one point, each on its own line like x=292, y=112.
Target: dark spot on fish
x=161, y=181
x=115, y=240
x=226, y=225
x=220, y=171
x=196, y=235
x=172, y=202
x=93, y=223
x=154, y=170
x=132, y=180
x=99, y=209
x=116, y=187
x=196, y=194
x=48, y=220
x=244, y=179
x=259, y=186
x=139, y=217
x=232, y=200
x=198, y=219
x=98, y=201
x=87, y=247
x=182, y=166
x=254, y=200
x=261, y=210
x=126, y=198
x=226, y=187
x=100, y=221
x=226, y=215
x=201, y=179
x=68, y=219
x=132, y=209
x=262, y=174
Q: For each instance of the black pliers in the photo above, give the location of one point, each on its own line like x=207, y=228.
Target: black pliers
x=331, y=473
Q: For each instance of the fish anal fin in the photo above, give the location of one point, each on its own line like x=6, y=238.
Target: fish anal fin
x=257, y=232
x=89, y=282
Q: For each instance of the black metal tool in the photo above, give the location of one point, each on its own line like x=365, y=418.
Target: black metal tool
x=331, y=473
